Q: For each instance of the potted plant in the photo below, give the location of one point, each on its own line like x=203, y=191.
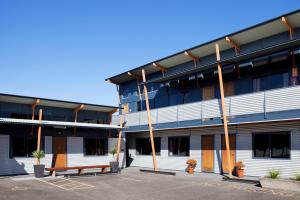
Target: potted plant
x=114, y=164
x=239, y=169
x=191, y=166
x=38, y=167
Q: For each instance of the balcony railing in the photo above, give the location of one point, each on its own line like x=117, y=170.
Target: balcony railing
x=271, y=101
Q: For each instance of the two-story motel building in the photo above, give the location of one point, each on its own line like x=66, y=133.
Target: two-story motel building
x=260, y=71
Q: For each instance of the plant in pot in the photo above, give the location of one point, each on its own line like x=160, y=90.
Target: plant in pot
x=114, y=164
x=239, y=169
x=191, y=166
x=38, y=167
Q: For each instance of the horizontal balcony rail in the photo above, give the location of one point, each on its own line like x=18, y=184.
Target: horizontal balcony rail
x=264, y=102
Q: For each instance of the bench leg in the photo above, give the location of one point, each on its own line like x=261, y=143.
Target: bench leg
x=80, y=171
x=53, y=173
x=102, y=170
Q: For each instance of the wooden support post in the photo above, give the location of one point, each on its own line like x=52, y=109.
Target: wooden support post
x=149, y=121
x=224, y=110
x=120, y=137
x=76, y=110
x=39, y=134
x=33, y=106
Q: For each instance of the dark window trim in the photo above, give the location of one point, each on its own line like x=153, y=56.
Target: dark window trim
x=158, y=153
x=27, y=137
x=189, y=142
x=106, y=147
x=272, y=133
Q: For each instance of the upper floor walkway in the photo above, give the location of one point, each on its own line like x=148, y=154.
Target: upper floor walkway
x=276, y=104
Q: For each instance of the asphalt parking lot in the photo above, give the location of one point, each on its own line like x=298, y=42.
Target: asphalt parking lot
x=132, y=184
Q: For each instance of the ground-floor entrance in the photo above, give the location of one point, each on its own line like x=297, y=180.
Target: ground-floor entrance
x=207, y=153
x=59, y=152
x=232, y=144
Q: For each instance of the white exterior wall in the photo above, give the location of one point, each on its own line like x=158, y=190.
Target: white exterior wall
x=260, y=167
x=164, y=161
x=74, y=156
x=21, y=165
x=254, y=167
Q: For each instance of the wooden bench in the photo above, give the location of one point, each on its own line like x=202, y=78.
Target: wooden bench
x=80, y=169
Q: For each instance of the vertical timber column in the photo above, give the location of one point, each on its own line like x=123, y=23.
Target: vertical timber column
x=39, y=134
x=223, y=109
x=149, y=122
x=120, y=137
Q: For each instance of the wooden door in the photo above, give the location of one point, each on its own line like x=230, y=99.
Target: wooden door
x=232, y=144
x=59, y=152
x=208, y=92
x=228, y=88
x=207, y=152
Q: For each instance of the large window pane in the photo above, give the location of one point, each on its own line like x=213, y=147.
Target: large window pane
x=95, y=146
x=261, y=146
x=23, y=146
x=143, y=146
x=179, y=146
x=280, y=145
x=271, y=145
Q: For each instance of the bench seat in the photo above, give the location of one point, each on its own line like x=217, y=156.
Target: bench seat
x=80, y=169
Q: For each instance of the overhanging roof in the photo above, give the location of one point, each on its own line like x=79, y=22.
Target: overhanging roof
x=54, y=103
x=253, y=33
x=57, y=123
x=234, y=60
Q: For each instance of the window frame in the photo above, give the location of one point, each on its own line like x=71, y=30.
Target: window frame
x=189, y=146
x=26, y=144
x=97, y=138
x=270, y=145
x=156, y=152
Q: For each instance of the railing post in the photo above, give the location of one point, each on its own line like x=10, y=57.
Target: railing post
x=177, y=117
x=265, y=106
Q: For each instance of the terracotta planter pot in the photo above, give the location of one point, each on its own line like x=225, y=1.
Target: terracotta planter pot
x=240, y=173
x=191, y=170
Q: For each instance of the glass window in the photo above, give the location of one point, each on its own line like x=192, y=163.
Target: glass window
x=270, y=82
x=179, y=146
x=143, y=146
x=22, y=146
x=95, y=146
x=271, y=145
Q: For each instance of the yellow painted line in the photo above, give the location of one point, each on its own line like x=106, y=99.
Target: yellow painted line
x=51, y=184
x=67, y=184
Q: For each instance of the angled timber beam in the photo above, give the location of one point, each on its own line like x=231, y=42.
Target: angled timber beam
x=159, y=66
x=33, y=106
x=288, y=26
x=149, y=122
x=110, y=81
x=76, y=110
x=138, y=77
x=223, y=105
x=234, y=45
x=192, y=56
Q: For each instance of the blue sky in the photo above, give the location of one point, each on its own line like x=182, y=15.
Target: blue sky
x=65, y=49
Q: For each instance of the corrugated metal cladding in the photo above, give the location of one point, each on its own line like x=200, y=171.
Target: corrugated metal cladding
x=75, y=156
x=269, y=101
x=254, y=167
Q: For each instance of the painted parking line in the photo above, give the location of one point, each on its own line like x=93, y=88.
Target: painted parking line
x=66, y=184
